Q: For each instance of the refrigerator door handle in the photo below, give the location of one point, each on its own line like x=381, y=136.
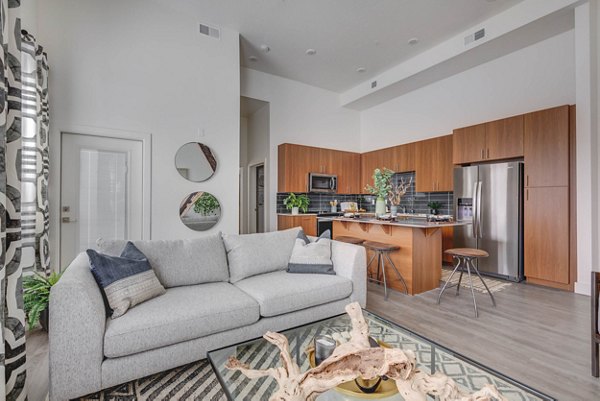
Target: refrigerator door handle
x=479, y=214
x=475, y=210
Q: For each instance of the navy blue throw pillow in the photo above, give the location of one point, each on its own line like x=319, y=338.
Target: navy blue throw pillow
x=125, y=280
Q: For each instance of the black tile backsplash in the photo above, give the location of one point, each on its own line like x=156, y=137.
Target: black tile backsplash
x=412, y=202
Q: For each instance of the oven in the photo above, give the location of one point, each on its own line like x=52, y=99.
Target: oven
x=324, y=224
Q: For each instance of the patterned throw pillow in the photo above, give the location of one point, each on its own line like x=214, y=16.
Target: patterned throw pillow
x=311, y=257
x=125, y=280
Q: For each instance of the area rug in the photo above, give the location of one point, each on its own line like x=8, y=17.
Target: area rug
x=494, y=285
x=195, y=381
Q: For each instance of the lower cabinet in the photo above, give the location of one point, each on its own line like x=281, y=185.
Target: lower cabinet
x=307, y=222
x=546, y=236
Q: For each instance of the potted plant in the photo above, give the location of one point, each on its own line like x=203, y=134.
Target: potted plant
x=396, y=194
x=295, y=202
x=382, y=185
x=36, y=297
x=435, y=207
x=206, y=204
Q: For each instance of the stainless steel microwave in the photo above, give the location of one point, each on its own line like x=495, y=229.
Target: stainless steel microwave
x=322, y=183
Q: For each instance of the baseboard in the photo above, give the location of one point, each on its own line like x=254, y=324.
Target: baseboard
x=551, y=284
x=583, y=287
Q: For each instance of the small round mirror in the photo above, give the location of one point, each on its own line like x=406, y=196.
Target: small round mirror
x=200, y=211
x=195, y=162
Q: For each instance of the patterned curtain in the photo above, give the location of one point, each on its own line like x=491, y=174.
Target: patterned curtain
x=23, y=187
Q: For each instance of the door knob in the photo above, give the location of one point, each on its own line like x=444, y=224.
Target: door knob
x=68, y=220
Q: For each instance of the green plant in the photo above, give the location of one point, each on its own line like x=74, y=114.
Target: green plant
x=382, y=183
x=36, y=295
x=300, y=201
x=435, y=206
x=206, y=204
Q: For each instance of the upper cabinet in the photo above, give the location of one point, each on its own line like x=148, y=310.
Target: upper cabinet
x=433, y=165
x=469, y=144
x=496, y=140
x=399, y=159
x=546, y=148
x=296, y=162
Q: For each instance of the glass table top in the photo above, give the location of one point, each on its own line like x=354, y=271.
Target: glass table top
x=431, y=357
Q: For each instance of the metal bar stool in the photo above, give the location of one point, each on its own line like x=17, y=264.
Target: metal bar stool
x=382, y=251
x=464, y=258
x=349, y=240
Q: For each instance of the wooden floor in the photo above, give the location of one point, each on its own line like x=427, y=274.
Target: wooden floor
x=536, y=335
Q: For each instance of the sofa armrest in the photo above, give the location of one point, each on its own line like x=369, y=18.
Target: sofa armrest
x=76, y=333
x=350, y=261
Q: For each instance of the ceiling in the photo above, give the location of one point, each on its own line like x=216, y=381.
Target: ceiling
x=346, y=34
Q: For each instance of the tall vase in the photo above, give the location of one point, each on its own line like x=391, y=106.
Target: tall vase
x=380, y=206
x=394, y=210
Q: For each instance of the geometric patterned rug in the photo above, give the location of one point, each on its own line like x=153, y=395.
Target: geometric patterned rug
x=494, y=284
x=197, y=381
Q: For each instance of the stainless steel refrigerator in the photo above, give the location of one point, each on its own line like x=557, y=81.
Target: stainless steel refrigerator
x=491, y=197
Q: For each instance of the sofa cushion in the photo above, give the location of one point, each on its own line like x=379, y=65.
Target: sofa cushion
x=281, y=292
x=252, y=254
x=180, y=262
x=181, y=314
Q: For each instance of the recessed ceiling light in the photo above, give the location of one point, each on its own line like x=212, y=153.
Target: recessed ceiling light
x=253, y=58
x=265, y=48
x=311, y=52
x=413, y=41
x=361, y=69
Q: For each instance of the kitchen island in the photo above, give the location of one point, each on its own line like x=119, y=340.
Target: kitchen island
x=419, y=258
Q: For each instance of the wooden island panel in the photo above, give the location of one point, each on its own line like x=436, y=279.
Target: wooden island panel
x=419, y=259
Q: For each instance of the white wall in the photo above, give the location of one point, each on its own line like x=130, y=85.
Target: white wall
x=300, y=113
x=142, y=66
x=536, y=77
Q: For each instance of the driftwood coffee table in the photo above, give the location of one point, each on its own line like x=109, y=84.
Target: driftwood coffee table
x=431, y=357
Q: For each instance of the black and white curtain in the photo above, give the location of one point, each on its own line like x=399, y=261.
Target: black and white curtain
x=23, y=187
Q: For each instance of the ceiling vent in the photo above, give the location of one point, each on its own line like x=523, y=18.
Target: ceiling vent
x=474, y=37
x=210, y=31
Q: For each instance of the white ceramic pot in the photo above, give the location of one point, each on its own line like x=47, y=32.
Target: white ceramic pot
x=295, y=210
x=380, y=207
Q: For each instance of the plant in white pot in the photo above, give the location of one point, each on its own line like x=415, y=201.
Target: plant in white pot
x=396, y=194
x=295, y=203
x=382, y=185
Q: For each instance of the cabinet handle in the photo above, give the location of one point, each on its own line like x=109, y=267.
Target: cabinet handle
x=488, y=153
x=482, y=154
x=527, y=180
x=527, y=195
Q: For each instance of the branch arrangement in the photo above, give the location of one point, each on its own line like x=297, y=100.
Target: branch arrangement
x=354, y=359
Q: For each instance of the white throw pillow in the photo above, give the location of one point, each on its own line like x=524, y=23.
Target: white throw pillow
x=311, y=257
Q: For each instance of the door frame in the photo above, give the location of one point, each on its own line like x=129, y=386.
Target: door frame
x=144, y=138
x=251, y=193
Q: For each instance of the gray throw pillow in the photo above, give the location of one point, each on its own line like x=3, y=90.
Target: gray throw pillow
x=125, y=280
x=311, y=257
x=252, y=254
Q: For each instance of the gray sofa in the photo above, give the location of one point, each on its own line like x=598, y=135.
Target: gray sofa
x=220, y=291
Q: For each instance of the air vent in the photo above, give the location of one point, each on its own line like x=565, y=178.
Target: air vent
x=480, y=34
x=210, y=31
x=373, y=84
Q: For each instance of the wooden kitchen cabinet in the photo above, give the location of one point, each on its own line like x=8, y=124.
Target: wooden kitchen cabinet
x=468, y=144
x=307, y=222
x=296, y=162
x=504, y=138
x=433, y=165
x=546, y=147
x=400, y=159
x=403, y=158
x=546, y=235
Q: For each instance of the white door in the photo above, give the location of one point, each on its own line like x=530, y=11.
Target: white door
x=101, y=192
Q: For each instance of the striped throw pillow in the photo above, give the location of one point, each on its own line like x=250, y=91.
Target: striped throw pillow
x=125, y=280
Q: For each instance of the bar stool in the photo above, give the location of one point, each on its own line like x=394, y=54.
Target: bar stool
x=464, y=258
x=349, y=240
x=382, y=251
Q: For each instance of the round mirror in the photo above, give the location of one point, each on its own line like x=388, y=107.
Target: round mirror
x=195, y=162
x=200, y=211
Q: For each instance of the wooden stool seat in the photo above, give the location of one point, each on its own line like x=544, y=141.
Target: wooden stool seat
x=380, y=246
x=467, y=252
x=349, y=240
